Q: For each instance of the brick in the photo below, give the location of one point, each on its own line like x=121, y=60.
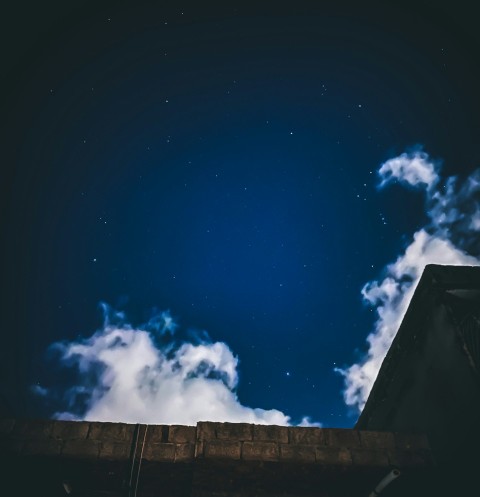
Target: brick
x=32, y=429
x=338, y=437
x=333, y=456
x=234, y=431
x=369, y=457
x=270, y=433
x=409, y=458
x=411, y=441
x=81, y=448
x=300, y=453
x=377, y=439
x=119, y=432
x=184, y=452
x=159, y=452
x=155, y=433
x=182, y=434
x=6, y=426
x=206, y=430
x=115, y=450
x=70, y=430
x=46, y=447
x=222, y=449
x=260, y=451
x=306, y=436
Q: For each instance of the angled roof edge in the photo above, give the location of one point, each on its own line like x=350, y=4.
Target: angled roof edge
x=435, y=280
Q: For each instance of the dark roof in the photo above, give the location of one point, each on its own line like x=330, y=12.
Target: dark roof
x=437, y=283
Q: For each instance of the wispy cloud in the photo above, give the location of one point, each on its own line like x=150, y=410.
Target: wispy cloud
x=142, y=375
x=411, y=168
x=451, y=237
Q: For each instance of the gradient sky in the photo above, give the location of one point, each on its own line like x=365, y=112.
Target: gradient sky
x=220, y=162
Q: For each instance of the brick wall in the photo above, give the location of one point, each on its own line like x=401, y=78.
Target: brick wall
x=310, y=445
x=210, y=459
x=94, y=440
x=231, y=441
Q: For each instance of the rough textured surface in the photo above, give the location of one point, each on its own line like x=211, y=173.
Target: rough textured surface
x=224, y=459
x=210, y=440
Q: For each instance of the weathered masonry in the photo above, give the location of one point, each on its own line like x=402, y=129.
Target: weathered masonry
x=49, y=458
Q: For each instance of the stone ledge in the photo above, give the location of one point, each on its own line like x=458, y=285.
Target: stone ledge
x=115, y=450
x=81, y=448
x=119, y=432
x=300, y=453
x=222, y=449
x=64, y=430
x=260, y=451
x=158, y=452
x=214, y=440
x=270, y=433
x=306, y=436
x=182, y=434
x=156, y=433
x=234, y=431
x=333, y=456
x=184, y=452
x=206, y=430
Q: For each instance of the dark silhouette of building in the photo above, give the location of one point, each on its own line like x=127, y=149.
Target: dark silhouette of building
x=429, y=381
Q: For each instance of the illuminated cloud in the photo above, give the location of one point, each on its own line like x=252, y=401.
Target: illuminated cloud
x=125, y=375
x=414, y=169
x=450, y=238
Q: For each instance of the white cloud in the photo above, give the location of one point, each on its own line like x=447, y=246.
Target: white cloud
x=415, y=169
x=450, y=239
x=125, y=376
x=306, y=421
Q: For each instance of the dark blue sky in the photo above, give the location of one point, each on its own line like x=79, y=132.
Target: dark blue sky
x=220, y=162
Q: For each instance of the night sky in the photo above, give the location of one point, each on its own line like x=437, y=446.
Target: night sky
x=220, y=162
